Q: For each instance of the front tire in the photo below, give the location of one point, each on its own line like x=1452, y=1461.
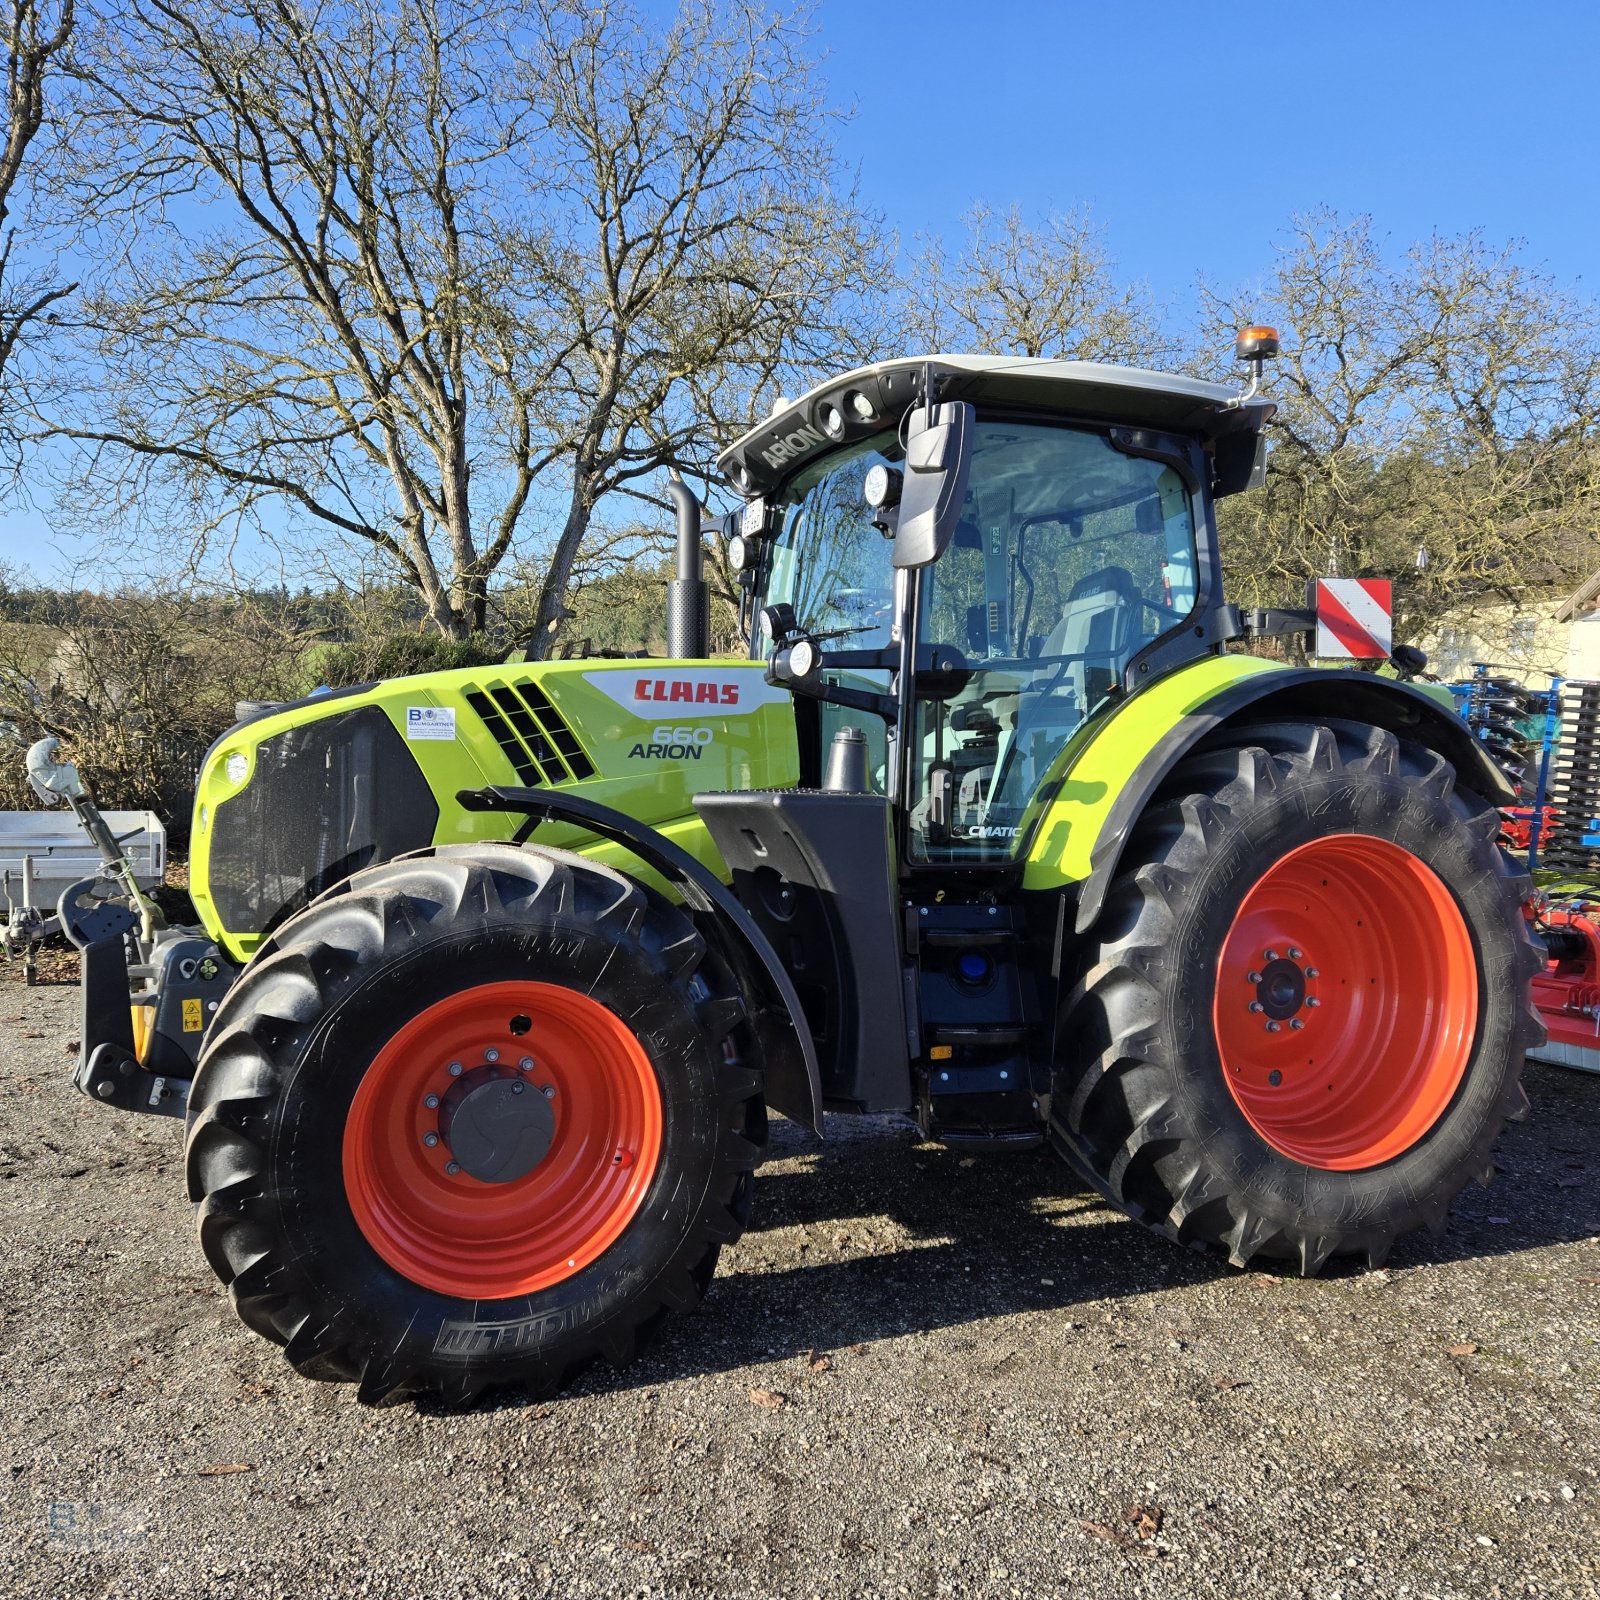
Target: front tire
x=1300, y=1021
x=478, y=1116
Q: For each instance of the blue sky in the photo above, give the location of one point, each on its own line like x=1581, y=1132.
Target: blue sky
x=1193, y=131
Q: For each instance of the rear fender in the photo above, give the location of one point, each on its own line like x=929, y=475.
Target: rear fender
x=1118, y=782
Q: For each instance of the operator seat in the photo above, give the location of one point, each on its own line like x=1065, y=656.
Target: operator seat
x=1098, y=631
x=1099, y=626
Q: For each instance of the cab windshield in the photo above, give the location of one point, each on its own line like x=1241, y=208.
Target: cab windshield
x=1070, y=557
x=829, y=562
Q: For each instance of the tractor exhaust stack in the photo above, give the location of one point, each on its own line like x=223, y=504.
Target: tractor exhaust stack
x=688, y=605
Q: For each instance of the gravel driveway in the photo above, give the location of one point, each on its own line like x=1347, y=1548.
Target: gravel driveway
x=921, y=1375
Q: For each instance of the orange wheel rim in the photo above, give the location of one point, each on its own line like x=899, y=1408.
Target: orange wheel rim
x=1346, y=1002
x=466, y=1065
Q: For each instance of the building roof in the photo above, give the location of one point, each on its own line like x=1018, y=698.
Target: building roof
x=1584, y=598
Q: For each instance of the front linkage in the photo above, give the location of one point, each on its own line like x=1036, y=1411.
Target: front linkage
x=148, y=990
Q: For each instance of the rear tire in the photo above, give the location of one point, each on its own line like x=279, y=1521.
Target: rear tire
x=1225, y=1098
x=519, y=1244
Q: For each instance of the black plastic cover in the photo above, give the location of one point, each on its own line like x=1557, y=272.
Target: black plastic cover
x=938, y=464
x=816, y=870
x=326, y=799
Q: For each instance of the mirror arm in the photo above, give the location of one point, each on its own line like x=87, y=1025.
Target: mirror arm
x=877, y=705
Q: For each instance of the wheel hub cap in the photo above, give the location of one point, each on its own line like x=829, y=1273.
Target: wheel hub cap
x=1281, y=989
x=496, y=1125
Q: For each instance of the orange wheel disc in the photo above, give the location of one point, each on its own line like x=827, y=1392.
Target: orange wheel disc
x=502, y=1140
x=1346, y=1002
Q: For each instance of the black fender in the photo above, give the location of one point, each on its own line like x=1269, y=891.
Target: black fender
x=1300, y=694
x=791, y=1082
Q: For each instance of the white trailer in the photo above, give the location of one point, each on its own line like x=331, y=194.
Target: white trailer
x=43, y=854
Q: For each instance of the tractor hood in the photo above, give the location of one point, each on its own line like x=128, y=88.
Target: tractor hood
x=860, y=402
x=297, y=799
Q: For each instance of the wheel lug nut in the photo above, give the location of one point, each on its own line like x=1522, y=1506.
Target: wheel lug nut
x=1311, y=972
x=452, y=1167
x=432, y=1102
x=455, y=1069
x=526, y=1064
x=548, y=1090
x=491, y=1055
x=1274, y=1078
x=517, y=1088
x=1295, y=1024
x=1273, y=1027
x=1313, y=1001
x=430, y=1138
x=1270, y=955
x=1256, y=1006
x=1252, y=977
x=1294, y=955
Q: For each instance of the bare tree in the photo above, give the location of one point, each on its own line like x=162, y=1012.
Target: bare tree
x=296, y=202
x=1439, y=422
x=432, y=275
x=1508, y=416
x=1019, y=290
x=35, y=33
x=137, y=683
x=695, y=246
x=1345, y=382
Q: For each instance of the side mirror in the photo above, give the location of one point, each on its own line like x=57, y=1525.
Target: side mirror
x=938, y=463
x=1239, y=463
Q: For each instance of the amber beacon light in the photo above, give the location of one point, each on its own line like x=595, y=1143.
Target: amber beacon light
x=1256, y=344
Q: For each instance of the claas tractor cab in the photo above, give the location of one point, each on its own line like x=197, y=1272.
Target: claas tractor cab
x=500, y=970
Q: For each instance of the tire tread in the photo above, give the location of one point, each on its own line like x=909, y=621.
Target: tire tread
x=294, y=977
x=1112, y=1115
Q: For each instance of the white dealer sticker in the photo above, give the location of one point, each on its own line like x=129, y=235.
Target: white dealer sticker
x=430, y=722
x=650, y=692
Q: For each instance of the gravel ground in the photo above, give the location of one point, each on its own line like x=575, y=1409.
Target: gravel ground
x=920, y=1375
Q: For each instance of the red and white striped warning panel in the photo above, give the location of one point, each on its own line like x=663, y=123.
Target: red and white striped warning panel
x=1355, y=618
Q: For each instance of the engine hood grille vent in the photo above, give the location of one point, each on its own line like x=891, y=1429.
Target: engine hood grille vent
x=521, y=719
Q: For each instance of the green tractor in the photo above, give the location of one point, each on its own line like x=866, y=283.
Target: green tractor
x=501, y=969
